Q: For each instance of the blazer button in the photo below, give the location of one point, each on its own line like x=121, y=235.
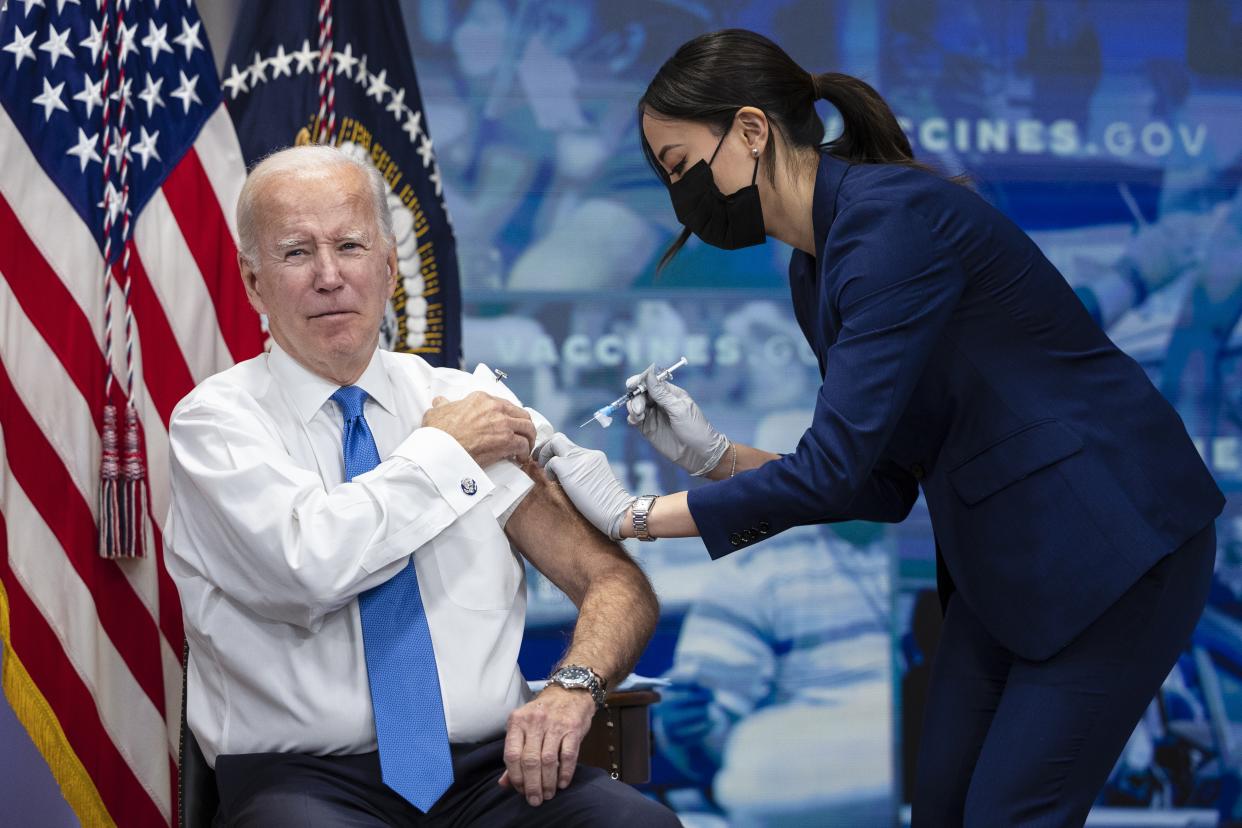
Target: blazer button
x=735, y=539
x=764, y=527
x=468, y=486
x=918, y=471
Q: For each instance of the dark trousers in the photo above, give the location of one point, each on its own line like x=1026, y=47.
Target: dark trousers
x=283, y=789
x=1013, y=742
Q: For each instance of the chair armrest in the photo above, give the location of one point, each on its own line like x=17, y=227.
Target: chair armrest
x=619, y=740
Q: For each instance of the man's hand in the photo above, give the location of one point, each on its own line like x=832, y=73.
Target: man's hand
x=488, y=428
x=542, y=741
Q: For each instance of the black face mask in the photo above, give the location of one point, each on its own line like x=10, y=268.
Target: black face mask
x=725, y=221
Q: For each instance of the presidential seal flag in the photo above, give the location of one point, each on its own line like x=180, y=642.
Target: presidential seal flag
x=341, y=73
x=119, y=291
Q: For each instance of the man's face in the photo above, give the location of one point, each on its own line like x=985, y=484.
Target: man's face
x=324, y=271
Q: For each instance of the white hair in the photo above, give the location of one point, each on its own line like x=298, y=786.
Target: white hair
x=304, y=158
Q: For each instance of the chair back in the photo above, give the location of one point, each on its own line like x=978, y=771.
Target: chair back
x=197, y=796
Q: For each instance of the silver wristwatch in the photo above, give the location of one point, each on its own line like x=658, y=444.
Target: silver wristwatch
x=639, y=509
x=577, y=677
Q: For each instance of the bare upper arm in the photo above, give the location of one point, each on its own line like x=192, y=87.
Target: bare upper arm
x=560, y=542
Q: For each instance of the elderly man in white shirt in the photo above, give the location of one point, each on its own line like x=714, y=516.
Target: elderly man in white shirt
x=342, y=533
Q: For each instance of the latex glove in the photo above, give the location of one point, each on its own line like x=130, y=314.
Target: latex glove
x=672, y=422
x=587, y=478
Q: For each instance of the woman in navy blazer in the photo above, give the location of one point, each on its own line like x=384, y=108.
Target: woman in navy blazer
x=1073, y=516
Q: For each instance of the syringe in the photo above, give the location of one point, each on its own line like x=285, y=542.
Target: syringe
x=604, y=415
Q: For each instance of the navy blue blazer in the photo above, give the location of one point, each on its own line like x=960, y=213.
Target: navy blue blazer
x=955, y=356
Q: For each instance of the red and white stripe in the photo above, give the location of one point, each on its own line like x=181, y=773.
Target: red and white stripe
x=101, y=638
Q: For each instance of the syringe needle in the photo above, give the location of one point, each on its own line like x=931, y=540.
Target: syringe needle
x=604, y=415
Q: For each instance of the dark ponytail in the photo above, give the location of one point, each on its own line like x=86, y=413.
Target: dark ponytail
x=871, y=134
x=714, y=75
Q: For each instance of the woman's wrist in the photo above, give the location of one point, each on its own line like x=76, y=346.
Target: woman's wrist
x=626, y=529
x=669, y=517
x=740, y=458
x=727, y=467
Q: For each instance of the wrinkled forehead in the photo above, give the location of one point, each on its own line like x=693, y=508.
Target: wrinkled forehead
x=333, y=198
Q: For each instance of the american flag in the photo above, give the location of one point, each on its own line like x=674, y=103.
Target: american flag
x=110, y=119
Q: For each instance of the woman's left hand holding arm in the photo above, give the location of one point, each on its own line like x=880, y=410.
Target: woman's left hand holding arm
x=587, y=479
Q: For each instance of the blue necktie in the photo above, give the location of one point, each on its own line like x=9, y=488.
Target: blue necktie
x=401, y=664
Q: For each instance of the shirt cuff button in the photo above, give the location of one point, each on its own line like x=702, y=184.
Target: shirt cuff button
x=469, y=486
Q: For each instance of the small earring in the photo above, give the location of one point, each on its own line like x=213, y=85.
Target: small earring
x=754, y=151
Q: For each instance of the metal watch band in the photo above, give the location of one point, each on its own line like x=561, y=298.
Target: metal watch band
x=639, y=510
x=578, y=677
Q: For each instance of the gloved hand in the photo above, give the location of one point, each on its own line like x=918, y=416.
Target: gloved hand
x=587, y=478
x=672, y=422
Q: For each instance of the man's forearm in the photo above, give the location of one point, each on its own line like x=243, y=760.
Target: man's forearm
x=616, y=618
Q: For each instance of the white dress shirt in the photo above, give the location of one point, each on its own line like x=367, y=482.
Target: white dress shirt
x=269, y=548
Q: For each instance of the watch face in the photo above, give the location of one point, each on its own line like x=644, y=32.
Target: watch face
x=580, y=678
x=573, y=675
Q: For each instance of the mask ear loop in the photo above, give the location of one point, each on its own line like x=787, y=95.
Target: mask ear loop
x=755, y=175
x=719, y=144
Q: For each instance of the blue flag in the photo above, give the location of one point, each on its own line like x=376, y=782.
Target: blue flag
x=300, y=72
